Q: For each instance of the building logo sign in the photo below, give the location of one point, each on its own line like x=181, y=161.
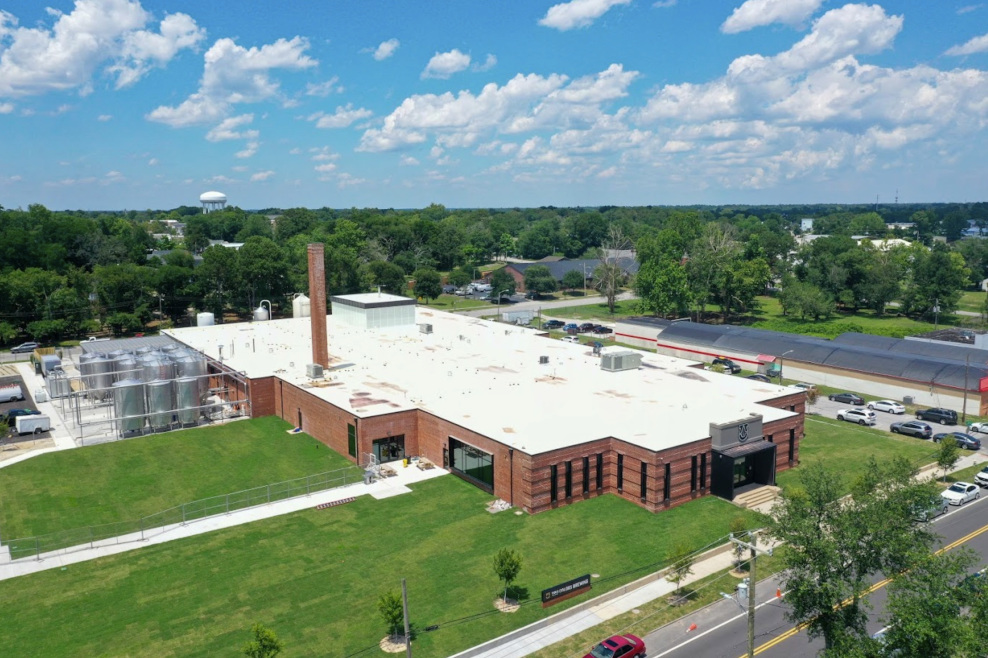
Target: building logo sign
x=566, y=590
x=742, y=432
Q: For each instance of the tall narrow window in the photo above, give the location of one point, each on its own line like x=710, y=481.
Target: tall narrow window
x=644, y=484
x=586, y=475
x=569, y=479
x=553, y=476
x=703, y=471
x=600, y=471
x=667, y=483
x=693, y=473
x=792, y=445
x=769, y=437
x=351, y=439
x=620, y=473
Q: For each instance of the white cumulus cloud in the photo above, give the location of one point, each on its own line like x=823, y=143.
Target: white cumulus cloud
x=756, y=13
x=443, y=65
x=342, y=118
x=233, y=74
x=247, y=152
x=261, y=175
x=228, y=129
x=386, y=49
x=104, y=117
x=577, y=13
x=975, y=45
x=6, y=108
x=323, y=88
x=96, y=33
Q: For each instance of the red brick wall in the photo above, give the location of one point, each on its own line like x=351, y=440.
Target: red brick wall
x=262, y=401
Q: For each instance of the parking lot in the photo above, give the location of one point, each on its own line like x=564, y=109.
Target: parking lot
x=8, y=433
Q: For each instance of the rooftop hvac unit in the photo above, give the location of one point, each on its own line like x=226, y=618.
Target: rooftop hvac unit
x=313, y=371
x=425, y=328
x=543, y=360
x=617, y=361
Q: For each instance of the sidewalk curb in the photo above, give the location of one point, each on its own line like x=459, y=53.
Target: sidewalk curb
x=583, y=607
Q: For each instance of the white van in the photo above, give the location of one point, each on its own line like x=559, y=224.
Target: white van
x=32, y=424
x=11, y=393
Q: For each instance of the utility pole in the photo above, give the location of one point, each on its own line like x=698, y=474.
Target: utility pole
x=751, y=586
x=404, y=609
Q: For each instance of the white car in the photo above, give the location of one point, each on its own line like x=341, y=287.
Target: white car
x=859, y=416
x=888, y=406
x=961, y=492
x=571, y=339
x=978, y=427
x=981, y=477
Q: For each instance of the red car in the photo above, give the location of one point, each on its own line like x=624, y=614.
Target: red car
x=619, y=646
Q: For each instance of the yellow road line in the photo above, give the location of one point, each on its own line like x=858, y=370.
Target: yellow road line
x=795, y=630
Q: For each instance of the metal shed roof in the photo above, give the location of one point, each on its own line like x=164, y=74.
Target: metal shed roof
x=921, y=362
x=106, y=346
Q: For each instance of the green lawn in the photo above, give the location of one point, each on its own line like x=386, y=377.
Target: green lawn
x=845, y=448
x=623, y=308
x=972, y=301
x=125, y=480
x=314, y=577
x=455, y=303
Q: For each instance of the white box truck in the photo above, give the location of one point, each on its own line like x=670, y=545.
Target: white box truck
x=32, y=424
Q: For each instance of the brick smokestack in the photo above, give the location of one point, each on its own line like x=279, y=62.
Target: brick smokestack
x=317, y=301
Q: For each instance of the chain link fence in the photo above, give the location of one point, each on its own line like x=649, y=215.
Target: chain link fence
x=123, y=532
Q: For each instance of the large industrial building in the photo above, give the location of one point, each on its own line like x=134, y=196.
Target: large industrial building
x=924, y=372
x=537, y=422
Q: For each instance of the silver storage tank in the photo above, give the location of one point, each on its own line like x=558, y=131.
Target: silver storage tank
x=125, y=367
x=87, y=370
x=161, y=403
x=154, y=368
x=102, y=376
x=187, y=400
x=128, y=404
x=194, y=366
x=58, y=384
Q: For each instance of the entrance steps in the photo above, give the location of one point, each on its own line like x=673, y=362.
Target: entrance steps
x=762, y=498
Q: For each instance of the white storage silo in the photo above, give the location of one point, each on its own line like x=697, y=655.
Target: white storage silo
x=205, y=319
x=300, y=307
x=161, y=403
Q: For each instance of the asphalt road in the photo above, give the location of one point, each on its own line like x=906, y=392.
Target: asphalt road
x=721, y=628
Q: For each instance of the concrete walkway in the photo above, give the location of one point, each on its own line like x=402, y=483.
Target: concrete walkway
x=577, y=619
x=383, y=488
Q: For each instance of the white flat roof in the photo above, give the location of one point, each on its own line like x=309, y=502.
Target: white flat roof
x=486, y=376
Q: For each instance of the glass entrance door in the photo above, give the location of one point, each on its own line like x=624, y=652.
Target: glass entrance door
x=389, y=449
x=742, y=471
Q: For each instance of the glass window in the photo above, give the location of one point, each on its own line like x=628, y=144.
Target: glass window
x=644, y=485
x=703, y=471
x=693, y=473
x=667, y=483
x=390, y=449
x=620, y=473
x=586, y=475
x=553, y=479
x=600, y=472
x=569, y=479
x=472, y=463
x=351, y=439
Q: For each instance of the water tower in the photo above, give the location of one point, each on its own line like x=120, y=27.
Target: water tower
x=212, y=201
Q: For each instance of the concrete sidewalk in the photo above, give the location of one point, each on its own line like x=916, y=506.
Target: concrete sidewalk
x=384, y=488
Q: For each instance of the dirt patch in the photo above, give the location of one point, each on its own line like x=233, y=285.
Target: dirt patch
x=18, y=448
x=509, y=605
x=389, y=645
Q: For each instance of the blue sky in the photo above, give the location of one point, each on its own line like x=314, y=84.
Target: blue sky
x=124, y=104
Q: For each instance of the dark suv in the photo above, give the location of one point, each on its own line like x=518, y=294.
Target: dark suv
x=729, y=365
x=938, y=415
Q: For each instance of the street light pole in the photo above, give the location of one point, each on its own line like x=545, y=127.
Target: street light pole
x=780, y=364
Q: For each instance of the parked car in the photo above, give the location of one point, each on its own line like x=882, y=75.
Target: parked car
x=24, y=348
x=961, y=492
x=887, y=406
x=729, y=365
x=805, y=386
x=553, y=324
x=938, y=415
x=758, y=377
x=619, y=646
x=13, y=414
x=981, y=477
x=601, y=329
x=859, y=416
x=449, y=290
x=11, y=393
x=571, y=339
x=912, y=428
x=846, y=398
x=586, y=327
x=930, y=510
x=461, y=292
x=963, y=440
x=572, y=326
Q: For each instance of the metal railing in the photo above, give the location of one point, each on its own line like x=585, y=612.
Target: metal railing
x=122, y=532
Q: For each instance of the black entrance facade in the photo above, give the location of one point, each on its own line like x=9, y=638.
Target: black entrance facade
x=738, y=467
x=389, y=449
x=472, y=464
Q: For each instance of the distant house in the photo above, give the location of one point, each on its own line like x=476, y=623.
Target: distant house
x=559, y=268
x=884, y=244
x=806, y=225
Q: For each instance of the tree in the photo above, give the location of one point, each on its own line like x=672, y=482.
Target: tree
x=428, y=284
x=507, y=565
x=924, y=608
x=501, y=281
x=682, y=558
x=262, y=269
x=389, y=276
x=609, y=276
x=837, y=543
x=459, y=277
x=573, y=280
x=539, y=279
x=947, y=454
x=392, y=612
x=264, y=645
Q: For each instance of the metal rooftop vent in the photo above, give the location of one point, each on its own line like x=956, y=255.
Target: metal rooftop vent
x=313, y=371
x=425, y=328
x=543, y=360
x=617, y=361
